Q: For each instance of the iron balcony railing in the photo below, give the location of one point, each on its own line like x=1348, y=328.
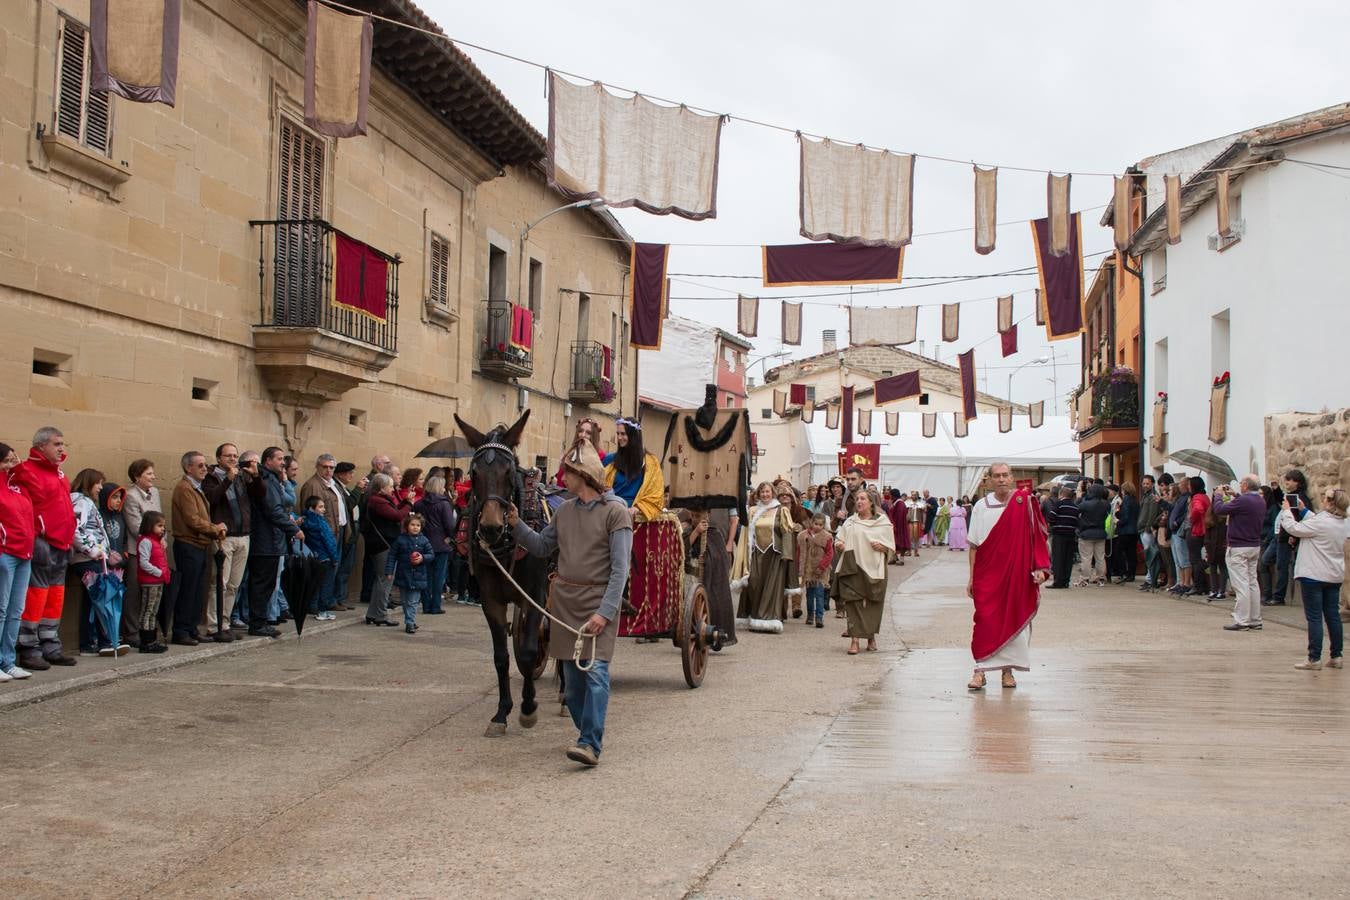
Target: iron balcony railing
x=590, y=381
x=500, y=357
x=295, y=279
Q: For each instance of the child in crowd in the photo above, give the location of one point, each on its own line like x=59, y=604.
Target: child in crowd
x=321, y=542
x=152, y=573
x=816, y=549
x=407, y=568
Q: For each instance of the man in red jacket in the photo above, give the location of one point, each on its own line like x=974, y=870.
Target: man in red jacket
x=41, y=478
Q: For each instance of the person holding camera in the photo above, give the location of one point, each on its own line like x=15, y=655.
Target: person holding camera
x=1286, y=544
x=1320, y=569
x=226, y=489
x=1246, y=512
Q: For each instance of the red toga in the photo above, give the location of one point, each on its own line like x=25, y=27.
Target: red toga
x=1006, y=597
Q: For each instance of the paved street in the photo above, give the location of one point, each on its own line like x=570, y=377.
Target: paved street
x=1149, y=752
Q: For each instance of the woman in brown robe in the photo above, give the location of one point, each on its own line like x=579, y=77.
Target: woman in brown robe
x=865, y=543
x=763, y=603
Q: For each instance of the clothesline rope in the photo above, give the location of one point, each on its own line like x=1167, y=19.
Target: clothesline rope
x=797, y=132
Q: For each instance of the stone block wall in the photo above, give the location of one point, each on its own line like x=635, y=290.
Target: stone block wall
x=1318, y=444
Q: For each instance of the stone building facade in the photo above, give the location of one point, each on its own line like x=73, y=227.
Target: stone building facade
x=1318, y=444
x=144, y=305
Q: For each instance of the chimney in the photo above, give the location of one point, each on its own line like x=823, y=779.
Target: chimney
x=830, y=341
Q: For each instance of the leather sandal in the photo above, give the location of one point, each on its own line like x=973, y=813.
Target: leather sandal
x=1008, y=680
x=976, y=682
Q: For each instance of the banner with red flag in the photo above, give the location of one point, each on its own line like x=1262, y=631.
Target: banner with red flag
x=865, y=456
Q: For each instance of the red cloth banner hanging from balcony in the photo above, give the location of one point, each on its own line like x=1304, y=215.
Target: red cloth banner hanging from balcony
x=337, y=71
x=1009, y=339
x=797, y=394
x=1061, y=280
x=360, y=277
x=647, y=294
x=795, y=265
x=133, y=48
x=607, y=368
x=967, y=361
x=866, y=457
x=522, y=328
x=896, y=387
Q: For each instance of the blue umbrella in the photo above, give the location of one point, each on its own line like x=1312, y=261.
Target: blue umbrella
x=105, y=603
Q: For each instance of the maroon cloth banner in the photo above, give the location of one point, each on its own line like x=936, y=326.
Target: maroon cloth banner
x=797, y=394
x=1061, y=280
x=846, y=429
x=360, y=277
x=1009, y=338
x=794, y=265
x=967, y=361
x=865, y=456
x=897, y=387
x=647, y=296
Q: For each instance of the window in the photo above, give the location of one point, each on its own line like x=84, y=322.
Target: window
x=766, y=413
x=1218, y=343
x=613, y=331
x=51, y=364
x=496, y=274
x=433, y=429
x=583, y=317
x=438, y=276
x=1158, y=269
x=1160, y=367
x=729, y=357
x=81, y=114
x=810, y=393
x=300, y=173
x=356, y=418
x=536, y=286
x=623, y=341
x=731, y=400
x=203, y=389
x=923, y=399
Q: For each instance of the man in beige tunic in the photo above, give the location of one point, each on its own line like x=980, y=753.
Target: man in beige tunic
x=592, y=534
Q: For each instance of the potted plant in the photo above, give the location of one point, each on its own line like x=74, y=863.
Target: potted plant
x=1115, y=397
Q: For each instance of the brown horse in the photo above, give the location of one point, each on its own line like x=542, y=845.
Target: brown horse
x=497, y=481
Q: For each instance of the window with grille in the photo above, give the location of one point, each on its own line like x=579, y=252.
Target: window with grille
x=81, y=114
x=299, y=253
x=301, y=172
x=438, y=284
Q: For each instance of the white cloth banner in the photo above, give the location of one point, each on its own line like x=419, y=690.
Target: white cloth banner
x=1036, y=414
x=856, y=195
x=630, y=151
x=747, y=315
x=882, y=325
x=960, y=427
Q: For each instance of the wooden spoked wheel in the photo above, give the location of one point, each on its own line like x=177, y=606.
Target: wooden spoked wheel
x=693, y=646
x=518, y=644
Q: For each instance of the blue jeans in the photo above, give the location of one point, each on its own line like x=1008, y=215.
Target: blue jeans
x=815, y=601
x=239, y=616
x=13, y=593
x=1321, y=600
x=587, y=697
x=411, y=598
x=1284, y=562
x=440, y=569
x=324, y=598
x=344, y=572
x=277, y=604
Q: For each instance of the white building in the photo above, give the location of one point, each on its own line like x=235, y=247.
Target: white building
x=1268, y=303
x=692, y=355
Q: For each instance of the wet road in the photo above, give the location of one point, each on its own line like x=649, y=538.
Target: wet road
x=1148, y=752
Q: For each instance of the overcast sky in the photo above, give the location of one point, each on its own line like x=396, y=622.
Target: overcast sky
x=1080, y=87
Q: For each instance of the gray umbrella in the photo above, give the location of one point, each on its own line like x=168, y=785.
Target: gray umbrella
x=453, y=447
x=1205, y=462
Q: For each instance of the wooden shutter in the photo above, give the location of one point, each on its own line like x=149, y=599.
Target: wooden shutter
x=438, y=284
x=300, y=248
x=300, y=185
x=81, y=114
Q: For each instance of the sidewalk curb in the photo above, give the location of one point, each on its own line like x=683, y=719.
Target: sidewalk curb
x=151, y=665
x=1227, y=605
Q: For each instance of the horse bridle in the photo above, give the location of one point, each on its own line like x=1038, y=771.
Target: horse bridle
x=503, y=542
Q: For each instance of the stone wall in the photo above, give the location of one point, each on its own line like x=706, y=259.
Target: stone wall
x=1318, y=444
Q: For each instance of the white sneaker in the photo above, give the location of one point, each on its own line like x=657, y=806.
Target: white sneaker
x=16, y=673
x=5, y=676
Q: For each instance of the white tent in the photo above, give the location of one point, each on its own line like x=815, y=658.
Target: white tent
x=945, y=464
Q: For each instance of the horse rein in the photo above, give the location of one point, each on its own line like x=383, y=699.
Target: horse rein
x=503, y=543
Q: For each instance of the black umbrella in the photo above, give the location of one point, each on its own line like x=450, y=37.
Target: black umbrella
x=221, y=624
x=453, y=447
x=301, y=580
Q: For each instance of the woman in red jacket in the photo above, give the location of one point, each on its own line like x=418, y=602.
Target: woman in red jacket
x=1195, y=536
x=16, y=560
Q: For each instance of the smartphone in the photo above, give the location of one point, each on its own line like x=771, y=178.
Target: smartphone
x=1293, y=500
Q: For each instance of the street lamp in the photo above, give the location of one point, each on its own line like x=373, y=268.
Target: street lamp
x=580, y=204
x=1038, y=361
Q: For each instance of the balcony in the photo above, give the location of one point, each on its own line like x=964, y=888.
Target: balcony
x=505, y=355
x=328, y=316
x=1107, y=417
x=592, y=373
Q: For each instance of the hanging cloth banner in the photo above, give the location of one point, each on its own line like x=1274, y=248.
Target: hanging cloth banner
x=896, y=387
x=522, y=332
x=792, y=324
x=1040, y=307
x=846, y=424
x=1120, y=212
x=1061, y=280
x=1172, y=185
x=960, y=427
x=854, y=195
x=360, y=277
x=882, y=325
x=986, y=209
x=134, y=48
x=967, y=361
x=629, y=151
x=866, y=457
x=892, y=423
x=929, y=425
x=951, y=321
x=1004, y=419
x=747, y=315
x=1036, y=414
x=1221, y=196
x=1218, y=412
x=832, y=416
x=1158, y=440
x=780, y=402
x=1005, y=313
x=337, y=71
x=797, y=394
x=647, y=294
x=1009, y=341
x=804, y=265
x=864, y=422
x=1057, y=211
x=808, y=413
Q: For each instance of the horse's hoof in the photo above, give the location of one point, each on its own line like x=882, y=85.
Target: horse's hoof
x=495, y=729
x=527, y=720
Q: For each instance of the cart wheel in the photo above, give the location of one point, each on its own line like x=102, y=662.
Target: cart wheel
x=518, y=642
x=693, y=648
